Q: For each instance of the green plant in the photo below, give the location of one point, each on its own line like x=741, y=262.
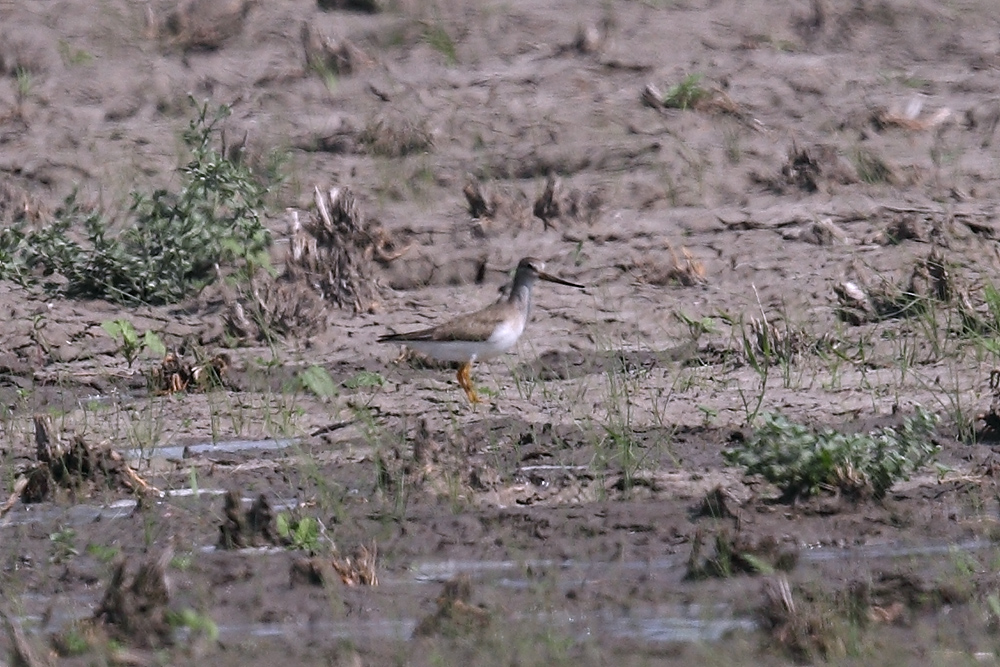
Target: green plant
x=736, y=554
x=63, y=545
x=326, y=72
x=761, y=364
x=23, y=84
x=302, y=534
x=317, y=380
x=685, y=94
x=365, y=379
x=177, y=242
x=983, y=327
x=708, y=414
x=102, y=552
x=200, y=624
x=129, y=343
x=731, y=143
x=72, y=56
x=696, y=327
x=617, y=434
x=182, y=562
x=993, y=605
x=438, y=39
x=871, y=168
x=71, y=642
x=802, y=462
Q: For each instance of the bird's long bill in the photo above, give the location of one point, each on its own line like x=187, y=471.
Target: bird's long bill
x=553, y=279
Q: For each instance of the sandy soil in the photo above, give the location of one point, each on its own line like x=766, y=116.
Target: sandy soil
x=838, y=142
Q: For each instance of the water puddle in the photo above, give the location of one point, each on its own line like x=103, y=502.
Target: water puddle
x=652, y=628
x=23, y=515
x=549, y=468
x=440, y=571
x=889, y=551
x=226, y=447
x=667, y=626
x=654, y=624
x=391, y=629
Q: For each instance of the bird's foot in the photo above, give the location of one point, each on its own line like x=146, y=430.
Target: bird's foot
x=465, y=382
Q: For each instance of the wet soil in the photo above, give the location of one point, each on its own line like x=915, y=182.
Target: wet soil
x=580, y=514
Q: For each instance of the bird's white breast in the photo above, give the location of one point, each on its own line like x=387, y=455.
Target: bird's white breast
x=505, y=335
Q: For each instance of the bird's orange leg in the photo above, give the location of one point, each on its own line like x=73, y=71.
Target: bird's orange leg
x=465, y=382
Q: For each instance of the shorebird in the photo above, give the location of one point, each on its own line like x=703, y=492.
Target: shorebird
x=484, y=334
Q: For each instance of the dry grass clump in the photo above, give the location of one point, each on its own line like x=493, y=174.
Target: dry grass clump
x=268, y=307
x=737, y=554
x=492, y=204
x=200, y=24
x=556, y=204
x=497, y=207
x=816, y=625
x=356, y=569
x=777, y=340
x=929, y=281
x=906, y=227
x=686, y=272
x=911, y=118
x=591, y=38
x=71, y=464
x=329, y=56
x=872, y=168
x=429, y=466
x=719, y=503
x=17, y=205
x=253, y=528
x=134, y=608
x=333, y=251
x=175, y=374
x=330, y=260
x=455, y=615
x=689, y=93
x=396, y=137
x=803, y=170
x=809, y=169
x=803, y=631
x=990, y=432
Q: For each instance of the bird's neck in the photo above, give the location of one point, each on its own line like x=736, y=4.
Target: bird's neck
x=520, y=295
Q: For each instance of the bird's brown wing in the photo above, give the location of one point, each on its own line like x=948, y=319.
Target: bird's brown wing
x=477, y=326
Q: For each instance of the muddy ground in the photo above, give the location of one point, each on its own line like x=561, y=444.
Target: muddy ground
x=834, y=143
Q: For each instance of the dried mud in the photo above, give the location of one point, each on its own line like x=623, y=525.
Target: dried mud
x=839, y=162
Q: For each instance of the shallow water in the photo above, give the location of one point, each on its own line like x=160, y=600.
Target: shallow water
x=225, y=447
x=658, y=625
x=645, y=623
x=76, y=515
x=444, y=570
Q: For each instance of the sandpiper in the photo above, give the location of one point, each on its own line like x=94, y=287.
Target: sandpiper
x=484, y=334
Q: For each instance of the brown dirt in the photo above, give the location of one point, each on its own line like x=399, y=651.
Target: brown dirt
x=837, y=143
